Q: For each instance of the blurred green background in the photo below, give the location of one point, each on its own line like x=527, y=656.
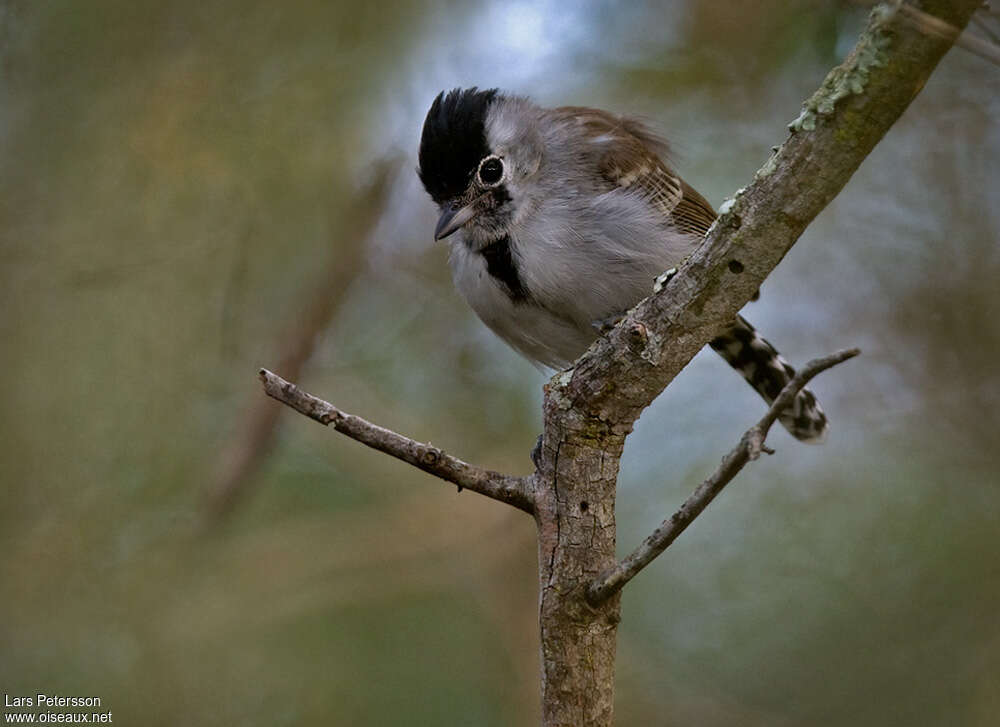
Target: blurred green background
x=192, y=190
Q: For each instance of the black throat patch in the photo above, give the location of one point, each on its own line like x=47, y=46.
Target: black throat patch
x=502, y=268
x=453, y=141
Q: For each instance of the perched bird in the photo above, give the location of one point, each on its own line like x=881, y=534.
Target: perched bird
x=564, y=217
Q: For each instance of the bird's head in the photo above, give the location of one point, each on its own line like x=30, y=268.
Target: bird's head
x=477, y=150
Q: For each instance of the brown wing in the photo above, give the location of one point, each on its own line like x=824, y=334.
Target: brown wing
x=632, y=157
x=693, y=213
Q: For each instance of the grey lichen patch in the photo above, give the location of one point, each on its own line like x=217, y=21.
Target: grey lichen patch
x=726, y=210
x=557, y=387
x=769, y=166
x=851, y=76
x=730, y=212
x=661, y=280
x=652, y=350
x=805, y=121
x=562, y=379
x=727, y=206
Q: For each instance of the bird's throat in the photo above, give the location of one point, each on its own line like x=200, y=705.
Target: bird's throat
x=502, y=265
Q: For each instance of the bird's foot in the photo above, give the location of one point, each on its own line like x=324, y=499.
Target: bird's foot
x=606, y=324
x=536, y=452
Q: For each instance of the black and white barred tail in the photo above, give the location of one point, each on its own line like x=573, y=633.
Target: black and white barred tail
x=768, y=373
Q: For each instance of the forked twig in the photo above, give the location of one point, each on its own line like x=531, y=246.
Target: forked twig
x=749, y=448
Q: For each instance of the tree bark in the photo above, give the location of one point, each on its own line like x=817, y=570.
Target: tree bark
x=575, y=513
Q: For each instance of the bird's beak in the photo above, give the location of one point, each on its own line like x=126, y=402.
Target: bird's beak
x=452, y=217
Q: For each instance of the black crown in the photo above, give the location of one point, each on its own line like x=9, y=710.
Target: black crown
x=453, y=141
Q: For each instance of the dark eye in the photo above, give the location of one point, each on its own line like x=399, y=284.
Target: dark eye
x=490, y=171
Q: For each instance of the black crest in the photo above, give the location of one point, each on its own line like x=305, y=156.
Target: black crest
x=453, y=141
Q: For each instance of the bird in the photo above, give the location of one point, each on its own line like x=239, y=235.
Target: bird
x=558, y=221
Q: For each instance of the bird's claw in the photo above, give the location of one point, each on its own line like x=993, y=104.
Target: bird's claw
x=536, y=452
x=606, y=324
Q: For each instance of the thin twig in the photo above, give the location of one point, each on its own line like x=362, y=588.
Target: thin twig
x=515, y=491
x=749, y=448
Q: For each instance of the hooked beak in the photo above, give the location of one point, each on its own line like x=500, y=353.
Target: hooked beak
x=452, y=217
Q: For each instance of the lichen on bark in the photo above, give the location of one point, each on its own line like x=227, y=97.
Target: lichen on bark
x=851, y=76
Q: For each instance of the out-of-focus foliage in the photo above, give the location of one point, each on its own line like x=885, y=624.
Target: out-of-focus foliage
x=175, y=175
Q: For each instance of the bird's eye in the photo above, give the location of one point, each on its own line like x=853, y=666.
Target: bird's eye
x=490, y=171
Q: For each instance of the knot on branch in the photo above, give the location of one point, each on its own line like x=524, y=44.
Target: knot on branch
x=431, y=456
x=637, y=335
x=640, y=341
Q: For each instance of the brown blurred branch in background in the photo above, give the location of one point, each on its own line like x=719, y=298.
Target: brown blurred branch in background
x=932, y=25
x=987, y=48
x=748, y=449
x=980, y=23
x=515, y=491
x=244, y=454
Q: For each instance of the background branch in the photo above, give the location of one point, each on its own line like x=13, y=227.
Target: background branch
x=983, y=47
x=515, y=491
x=749, y=448
x=987, y=47
x=241, y=457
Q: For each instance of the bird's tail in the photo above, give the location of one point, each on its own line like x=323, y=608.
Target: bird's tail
x=768, y=373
